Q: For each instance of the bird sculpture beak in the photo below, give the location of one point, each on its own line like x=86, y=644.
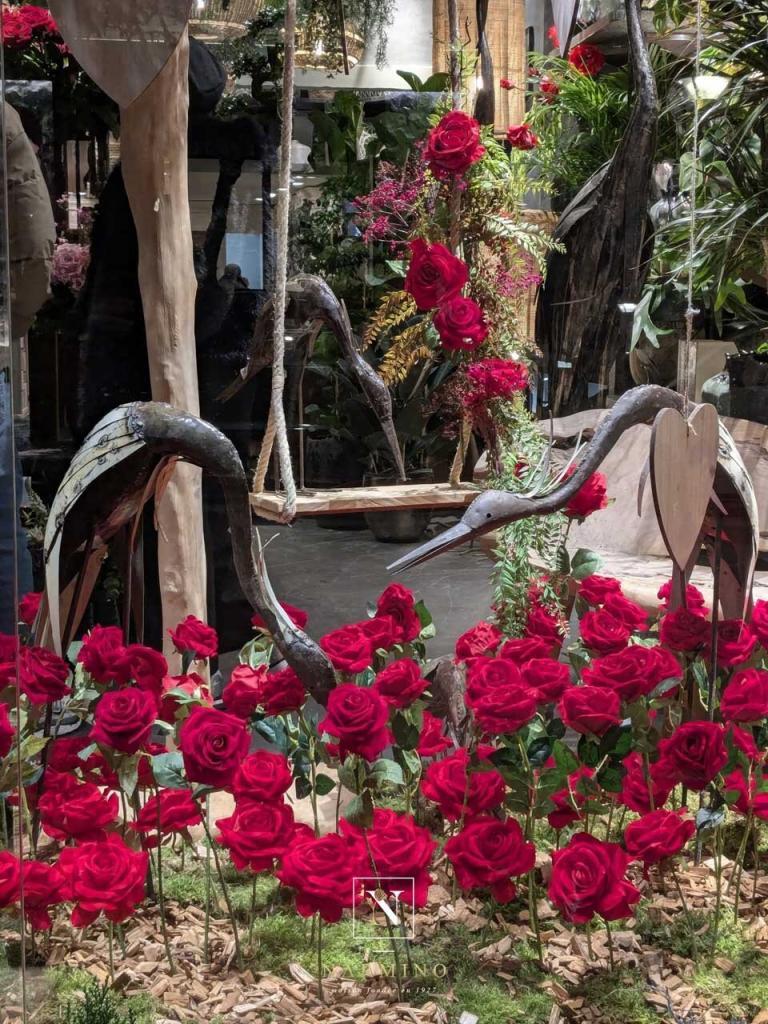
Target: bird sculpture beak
x=450, y=538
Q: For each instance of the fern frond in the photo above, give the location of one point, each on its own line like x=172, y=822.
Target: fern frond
x=406, y=350
x=394, y=309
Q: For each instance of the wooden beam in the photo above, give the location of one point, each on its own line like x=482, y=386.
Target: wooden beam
x=268, y=504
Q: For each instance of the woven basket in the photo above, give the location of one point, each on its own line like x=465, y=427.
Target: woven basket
x=222, y=20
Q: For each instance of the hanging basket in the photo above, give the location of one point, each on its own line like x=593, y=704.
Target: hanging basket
x=223, y=19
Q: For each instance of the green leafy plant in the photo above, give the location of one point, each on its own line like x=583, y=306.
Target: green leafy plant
x=99, y=1005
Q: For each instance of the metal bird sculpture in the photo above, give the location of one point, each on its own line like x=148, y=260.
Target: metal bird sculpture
x=126, y=459
x=600, y=264
x=313, y=302
x=732, y=511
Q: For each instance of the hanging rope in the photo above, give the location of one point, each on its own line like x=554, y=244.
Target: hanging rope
x=691, y=312
x=276, y=428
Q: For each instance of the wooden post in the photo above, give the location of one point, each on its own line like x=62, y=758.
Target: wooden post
x=153, y=145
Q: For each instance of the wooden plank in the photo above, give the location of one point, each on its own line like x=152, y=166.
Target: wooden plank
x=268, y=504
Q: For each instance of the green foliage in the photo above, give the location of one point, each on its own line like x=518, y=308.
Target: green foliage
x=490, y=1000
x=82, y=1000
x=618, y=995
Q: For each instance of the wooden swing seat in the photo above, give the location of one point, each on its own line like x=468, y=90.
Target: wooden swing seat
x=268, y=504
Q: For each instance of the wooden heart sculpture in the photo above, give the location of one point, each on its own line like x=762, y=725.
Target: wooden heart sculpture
x=121, y=44
x=683, y=465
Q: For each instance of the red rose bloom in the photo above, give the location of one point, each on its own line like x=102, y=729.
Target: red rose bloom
x=7, y=732
x=101, y=652
x=453, y=145
x=658, y=836
x=77, y=810
x=192, y=636
x=504, y=83
x=42, y=885
x=398, y=848
x=397, y=602
x=461, y=324
x=542, y=622
x=596, y=589
x=106, y=877
x=588, y=878
x=43, y=675
x=735, y=642
x=694, y=599
x=349, y=649
x=445, y=783
x=323, y=872
x=569, y=801
x=242, y=694
x=28, y=607
x=603, y=632
x=549, y=678
x=145, y=666
x=263, y=777
x=431, y=739
x=634, y=672
x=213, y=744
x=256, y=835
x=759, y=622
x=281, y=692
x=505, y=709
x=586, y=59
x=591, y=496
x=487, y=852
x=695, y=753
x=525, y=649
x=296, y=615
x=434, y=275
x=170, y=810
x=590, y=709
x=750, y=800
x=549, y=89
x=745, y=698
x=401, y=683
x=483, y=638
x=10, y=877
x=191, y=684
x=635, y=789
x=552, y=35
x=123, y=719
x=358, y=718
x=742, y=739
x=626, y=611
x=520, y=136
x=485, y=675
x=495, y=378
x=683, y=630
x=381, y=630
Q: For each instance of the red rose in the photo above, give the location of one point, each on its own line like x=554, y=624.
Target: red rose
x=382, y=631
x=64, y=757
x=256, y=835
x=658, y=836
x=192, y=636
x=745, y=698
x=744, y=741
x=401, y=683
x=10, y=876
x=487, y=674
x=486, y=852
x=552, y=35
x=595, y=589
x=588, y=878
x=42, y=886
x=145, y=666
x=525, y=649
x=398, y=603
x=636, y=789
x=28, y=608
x=549, y=678
x=591, y=497
x=759, y=622
x=242, y=694
x=281, y=692
x=549, y=89
x=751, y=799
x=124, y=718
x=520, y=136
x=735, y=642
x=694, y=599
x=483, y=638
x=634, y=672
x=349, y=649
x=434, y=275
x=77, y=810
x=453, y=145
x=445, y=783
x=683, y=630
x=461, y=324
x=431, y=739
x=695, y=753
x=101, y=652
x=213, y=744
x=43, y=675
x=191, y=684
x=7, y=732
x=323, y=872
x=586, y=59
x=603, y=632
x=263, y=777
x=106, y=877
x=626, y=611
x=504, y=83
x=590, y=709
x=398, y=848
x=170, y=810
x=296, y=615
x=358, y=717
x=494, y=378
x=505, y=709
x=543, y=622
x=569, y=801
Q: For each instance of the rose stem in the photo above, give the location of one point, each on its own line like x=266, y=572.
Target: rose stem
x=719, y=891
x=121, y=940
x=312, y=771
x=533, y=911
x=609, y=823
x=206, y=928
x=225, y=893
x=111, y=953
x=160, y=894
x=756, y=848
x=320, y=993
x=588, y=930
x=610, y=945
x=338, y=803
x=736, y=876
x=686, y=911
x=392, y=939
x=252, y=922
